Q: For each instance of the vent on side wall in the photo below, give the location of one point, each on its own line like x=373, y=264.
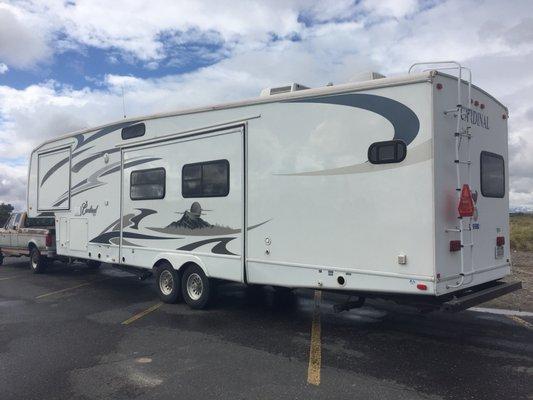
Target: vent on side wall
x=283, y=89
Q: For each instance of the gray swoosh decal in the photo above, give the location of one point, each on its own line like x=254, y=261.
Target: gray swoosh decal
x=403, y=119
x=59, y=164
x=219, y=248
x=144, y=213
x=93, y=182
x=80, y=164
x=415, y=155
x=106, y=237
x=82, y=141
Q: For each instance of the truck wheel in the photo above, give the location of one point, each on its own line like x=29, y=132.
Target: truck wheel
x=38, y=263
x=1, y=259
x=93, y=264
x=197, y=290
x=167, y=282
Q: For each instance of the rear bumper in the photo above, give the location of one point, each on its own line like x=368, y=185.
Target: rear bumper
x=479, y=294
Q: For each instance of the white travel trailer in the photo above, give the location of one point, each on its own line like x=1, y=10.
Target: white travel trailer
x=393, y=187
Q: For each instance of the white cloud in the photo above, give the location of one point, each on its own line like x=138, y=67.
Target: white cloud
x=23, y=38
x=3, y=68
x=348, y=37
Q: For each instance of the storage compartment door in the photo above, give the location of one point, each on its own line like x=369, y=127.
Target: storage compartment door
x=79, y=233
x=53, y=185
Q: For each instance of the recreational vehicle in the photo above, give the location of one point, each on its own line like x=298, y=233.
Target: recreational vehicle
x=394, y=187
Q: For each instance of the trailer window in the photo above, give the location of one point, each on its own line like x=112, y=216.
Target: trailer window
x=205, y=179
x=147, y=184
x=39, y=222
x=133, y=131
x=391, y=151
x=492, y=175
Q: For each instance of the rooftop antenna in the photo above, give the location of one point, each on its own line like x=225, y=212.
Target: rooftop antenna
x=123, y=102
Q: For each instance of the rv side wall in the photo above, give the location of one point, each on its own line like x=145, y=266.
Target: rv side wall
x=318, y=214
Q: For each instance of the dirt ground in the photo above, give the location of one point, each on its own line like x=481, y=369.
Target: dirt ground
x=522, y=270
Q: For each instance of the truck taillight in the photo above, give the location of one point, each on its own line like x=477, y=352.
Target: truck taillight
x=48, y=240
x=455, y=245
x=466, y=203
x=500, y=241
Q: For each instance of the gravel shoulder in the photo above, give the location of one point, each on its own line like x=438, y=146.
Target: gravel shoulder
x=522, y=270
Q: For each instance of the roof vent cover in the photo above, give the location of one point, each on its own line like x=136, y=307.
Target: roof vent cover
x=293, y=87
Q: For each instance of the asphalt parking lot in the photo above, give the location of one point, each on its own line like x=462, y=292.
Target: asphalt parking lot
x=75, y=333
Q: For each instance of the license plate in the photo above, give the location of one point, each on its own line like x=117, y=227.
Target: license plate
x=499, y=252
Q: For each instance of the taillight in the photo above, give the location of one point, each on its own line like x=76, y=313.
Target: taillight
x=48, y=240
x=500, y=241
x=455, y=245
x=422, y=286
x=466, y=204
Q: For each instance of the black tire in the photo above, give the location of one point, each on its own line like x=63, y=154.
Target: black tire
x=1, y=259
x=196, y=288
x=38, y=263
x=168, y=283
x=93, y=264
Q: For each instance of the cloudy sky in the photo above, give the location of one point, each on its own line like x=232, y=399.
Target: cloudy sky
x=63, y=63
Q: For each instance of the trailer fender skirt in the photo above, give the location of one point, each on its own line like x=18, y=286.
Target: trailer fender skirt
x=474, y=297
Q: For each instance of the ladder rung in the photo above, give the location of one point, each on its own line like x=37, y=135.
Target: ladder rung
x=462, y=162
x=465, y=134
x=467, y=245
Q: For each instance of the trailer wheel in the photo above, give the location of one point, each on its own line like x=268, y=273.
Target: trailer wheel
x=167, y=282
x=196, y=288
x=1, y=259
x=38, y=263
x=93, y=264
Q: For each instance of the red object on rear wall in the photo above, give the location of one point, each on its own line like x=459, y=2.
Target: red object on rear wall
x=48, y=240
x=455, y=245
x=500, y=241
x=466, y=203
x=422, y=286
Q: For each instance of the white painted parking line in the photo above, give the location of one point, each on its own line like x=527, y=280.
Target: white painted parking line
x=502, y=311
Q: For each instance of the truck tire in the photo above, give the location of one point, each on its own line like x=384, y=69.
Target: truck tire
x=38, y=263
x=1, y=259
x=167, y=283
x=196, y=288
x=92, y=264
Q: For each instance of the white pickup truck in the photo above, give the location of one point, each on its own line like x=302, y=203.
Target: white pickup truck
x=33, y=237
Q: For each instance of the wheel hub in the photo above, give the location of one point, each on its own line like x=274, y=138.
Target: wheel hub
x=195, y=286
x=166, y=282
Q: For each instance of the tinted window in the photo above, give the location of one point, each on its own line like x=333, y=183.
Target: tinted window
x=17, y=219
x=492, y=175
x=205, y=179
x=391, y=151
x=147, y=184
x=133, y=131
x=39, y=221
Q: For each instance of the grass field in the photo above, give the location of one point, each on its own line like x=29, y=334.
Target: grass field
x=522, y=232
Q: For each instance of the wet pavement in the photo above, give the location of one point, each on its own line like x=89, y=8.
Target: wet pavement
x=75, y=333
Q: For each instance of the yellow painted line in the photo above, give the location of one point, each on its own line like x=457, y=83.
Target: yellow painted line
x=521, y=321
x=142, y=314
x=70, y=288
x=315, y=350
